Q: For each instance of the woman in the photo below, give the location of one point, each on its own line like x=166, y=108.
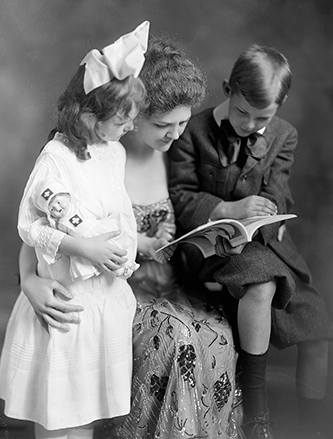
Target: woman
x=184, y=358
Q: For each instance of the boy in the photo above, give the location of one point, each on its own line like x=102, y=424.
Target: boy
x=234, y=161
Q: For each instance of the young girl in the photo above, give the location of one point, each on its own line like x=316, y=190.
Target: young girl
x=63, y=381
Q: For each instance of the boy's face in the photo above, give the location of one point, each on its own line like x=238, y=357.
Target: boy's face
x=246, y=119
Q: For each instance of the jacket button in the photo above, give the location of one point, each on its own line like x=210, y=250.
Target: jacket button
x=244, y=177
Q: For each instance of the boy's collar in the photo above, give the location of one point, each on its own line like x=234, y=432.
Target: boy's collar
x=221, y=111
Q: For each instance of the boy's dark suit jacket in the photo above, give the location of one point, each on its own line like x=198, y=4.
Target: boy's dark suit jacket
x=198, y=182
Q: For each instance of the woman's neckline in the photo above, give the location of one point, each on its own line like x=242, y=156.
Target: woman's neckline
x=162, y=201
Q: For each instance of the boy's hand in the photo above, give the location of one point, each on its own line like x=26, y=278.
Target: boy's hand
x=224, y=249
x=253, y=205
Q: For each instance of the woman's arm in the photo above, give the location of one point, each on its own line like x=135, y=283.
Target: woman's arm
x=47, y=296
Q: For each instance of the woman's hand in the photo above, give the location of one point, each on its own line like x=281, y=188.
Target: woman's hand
x=166, y=230
x=47, y=297
x=49, y=301
x=147, y=247
x=163, y=256
x=224, y=249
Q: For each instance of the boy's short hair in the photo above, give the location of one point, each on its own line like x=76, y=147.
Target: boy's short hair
x=262, y=75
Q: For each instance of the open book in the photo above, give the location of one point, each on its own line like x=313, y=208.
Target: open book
x=236, y=231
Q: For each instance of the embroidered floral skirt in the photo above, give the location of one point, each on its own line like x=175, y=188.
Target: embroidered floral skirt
x=184, y=371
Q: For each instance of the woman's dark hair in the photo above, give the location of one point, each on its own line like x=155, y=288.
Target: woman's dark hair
x=171, y=79
x=261, y=75
x=78, y=113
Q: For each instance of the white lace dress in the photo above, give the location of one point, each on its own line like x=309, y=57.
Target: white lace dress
x=60, y=379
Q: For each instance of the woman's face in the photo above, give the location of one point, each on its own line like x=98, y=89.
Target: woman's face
x=160, y=130
x=117, y=126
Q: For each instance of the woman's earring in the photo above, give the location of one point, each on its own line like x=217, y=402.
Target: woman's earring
x=135, y=127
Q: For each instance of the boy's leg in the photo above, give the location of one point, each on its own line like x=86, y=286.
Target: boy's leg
x=314, y=413
x=254, y=327
x=254, y=317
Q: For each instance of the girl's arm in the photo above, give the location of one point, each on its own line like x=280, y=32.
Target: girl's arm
x=97, y=249
x=47, y=296
x=36, y=231
x=39, y=234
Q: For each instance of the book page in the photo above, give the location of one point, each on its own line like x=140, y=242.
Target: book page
x=254, y=223
x=204, y=245
x=204, y=237
x=236, y=231
x=225, y=230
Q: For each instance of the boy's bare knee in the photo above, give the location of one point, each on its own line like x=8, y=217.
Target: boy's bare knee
x=262, y=293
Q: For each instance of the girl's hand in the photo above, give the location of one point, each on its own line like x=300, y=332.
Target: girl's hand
x=48, y=299
x=253, y=205
x=224, y=249
x=104, y=254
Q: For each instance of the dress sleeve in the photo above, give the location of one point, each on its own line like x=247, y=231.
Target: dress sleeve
x=33, y=225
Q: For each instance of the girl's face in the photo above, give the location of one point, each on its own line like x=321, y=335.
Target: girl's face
x=117, y=126
x=160, y=130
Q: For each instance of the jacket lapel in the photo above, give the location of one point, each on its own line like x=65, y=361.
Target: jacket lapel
x=251, y=162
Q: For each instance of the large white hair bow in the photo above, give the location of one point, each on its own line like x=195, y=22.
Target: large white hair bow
x=119, y=60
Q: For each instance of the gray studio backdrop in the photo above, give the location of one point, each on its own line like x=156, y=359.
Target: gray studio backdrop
x=43, y=41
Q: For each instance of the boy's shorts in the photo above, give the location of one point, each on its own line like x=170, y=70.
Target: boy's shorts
x=299, y=312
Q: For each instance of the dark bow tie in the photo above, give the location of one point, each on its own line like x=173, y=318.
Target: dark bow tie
x=230, y=144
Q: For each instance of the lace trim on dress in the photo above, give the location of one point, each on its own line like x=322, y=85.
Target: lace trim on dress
x=156, y=204
x=43, y=243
